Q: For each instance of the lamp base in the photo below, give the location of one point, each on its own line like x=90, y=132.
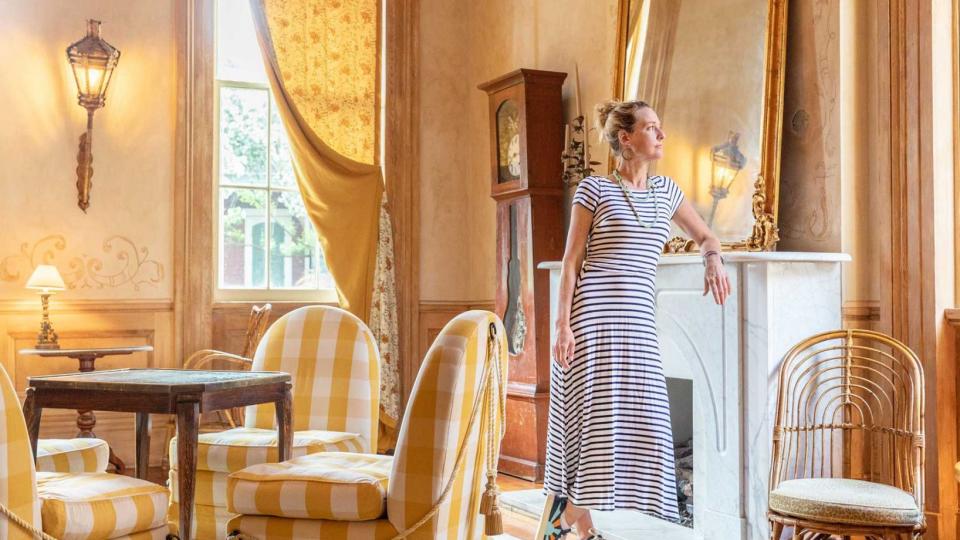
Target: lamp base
x=46, y=338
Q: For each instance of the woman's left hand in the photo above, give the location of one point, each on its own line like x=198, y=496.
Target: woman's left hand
x=715, y=279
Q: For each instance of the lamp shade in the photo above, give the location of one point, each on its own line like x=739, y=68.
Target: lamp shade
x=46, y=278
x=92, y=60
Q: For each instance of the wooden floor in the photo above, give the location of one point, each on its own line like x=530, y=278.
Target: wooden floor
x=517, y=525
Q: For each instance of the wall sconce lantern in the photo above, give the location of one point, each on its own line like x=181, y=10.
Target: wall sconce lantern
x=727, y=162
x=92, y=60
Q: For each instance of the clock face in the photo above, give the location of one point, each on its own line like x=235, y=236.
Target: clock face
x=508, y=142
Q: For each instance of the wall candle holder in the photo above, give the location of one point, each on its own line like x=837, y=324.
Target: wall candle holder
x=92, y=60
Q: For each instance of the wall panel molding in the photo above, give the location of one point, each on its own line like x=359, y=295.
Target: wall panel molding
x=401, y=135
x=193, y=184
x=91, y=323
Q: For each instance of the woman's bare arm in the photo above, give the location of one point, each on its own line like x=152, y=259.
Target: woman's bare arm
x=580, y=220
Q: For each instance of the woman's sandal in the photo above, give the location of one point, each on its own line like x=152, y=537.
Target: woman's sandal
x=594, y=535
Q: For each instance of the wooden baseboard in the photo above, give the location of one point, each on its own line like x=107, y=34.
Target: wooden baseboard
x=857, y=313
x=520, y=468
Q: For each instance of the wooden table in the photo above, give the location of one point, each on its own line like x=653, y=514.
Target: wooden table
x=86, y=420
x=186, y=393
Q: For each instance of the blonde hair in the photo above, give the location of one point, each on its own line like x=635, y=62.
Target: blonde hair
x=612, y=116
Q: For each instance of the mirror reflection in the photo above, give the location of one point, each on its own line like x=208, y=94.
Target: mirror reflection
x=701, y=65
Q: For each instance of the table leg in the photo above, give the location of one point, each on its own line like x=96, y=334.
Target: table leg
x=284, y=408
x=143, y=444
x=31, y=413
x=188, y=416
x=86, y=420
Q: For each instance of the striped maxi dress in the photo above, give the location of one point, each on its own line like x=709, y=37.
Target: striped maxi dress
x=609, y=441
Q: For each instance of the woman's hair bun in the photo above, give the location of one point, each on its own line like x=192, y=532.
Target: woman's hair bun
x=603, y=112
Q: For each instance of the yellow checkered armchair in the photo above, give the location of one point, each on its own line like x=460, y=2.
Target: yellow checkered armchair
x=334, y=365
x=82, y=506
x=440, y=480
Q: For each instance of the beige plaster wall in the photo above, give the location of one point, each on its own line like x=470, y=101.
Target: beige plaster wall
x=810, y=187
x=122, y=247
x=463, y=44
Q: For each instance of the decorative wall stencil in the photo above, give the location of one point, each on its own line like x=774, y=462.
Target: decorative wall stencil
x=124, y=264
x=15, y=267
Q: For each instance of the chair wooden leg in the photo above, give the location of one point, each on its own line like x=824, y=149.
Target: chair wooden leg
x=776, y=530
x=797, y=533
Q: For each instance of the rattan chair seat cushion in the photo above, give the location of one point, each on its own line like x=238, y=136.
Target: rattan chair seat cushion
x=842, y=500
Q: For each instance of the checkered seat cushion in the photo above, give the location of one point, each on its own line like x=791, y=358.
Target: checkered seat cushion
x=72, y=455
x=338, y=486
x=98, y=505
x=234, y=449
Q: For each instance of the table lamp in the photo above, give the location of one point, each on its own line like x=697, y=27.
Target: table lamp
x=47, y=280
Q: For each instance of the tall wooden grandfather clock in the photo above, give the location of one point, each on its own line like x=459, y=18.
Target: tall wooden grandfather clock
x=526, y=140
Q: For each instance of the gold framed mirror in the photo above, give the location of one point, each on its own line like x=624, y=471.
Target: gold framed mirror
x=714, y=72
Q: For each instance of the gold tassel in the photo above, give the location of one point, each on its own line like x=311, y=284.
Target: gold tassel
x=489, y=498
x=493, y=522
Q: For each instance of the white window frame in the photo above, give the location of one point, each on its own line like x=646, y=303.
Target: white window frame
x=239, y=294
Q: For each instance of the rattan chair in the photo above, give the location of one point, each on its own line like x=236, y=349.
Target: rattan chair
x=848, y=439
x=214, y=359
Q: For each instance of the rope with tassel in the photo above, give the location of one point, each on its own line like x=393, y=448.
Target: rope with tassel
x=23, y=523
x=489, y=503
x=493, y=520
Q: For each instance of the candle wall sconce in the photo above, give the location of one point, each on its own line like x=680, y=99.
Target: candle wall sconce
x=727, y=161
x=92, y=60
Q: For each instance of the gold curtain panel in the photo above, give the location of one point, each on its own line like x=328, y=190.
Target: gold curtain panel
x=327, y=52
x=322, y=63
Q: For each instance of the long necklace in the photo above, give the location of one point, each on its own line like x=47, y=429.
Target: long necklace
x=626, y=193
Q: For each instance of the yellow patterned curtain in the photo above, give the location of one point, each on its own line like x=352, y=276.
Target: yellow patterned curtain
x=322, y=60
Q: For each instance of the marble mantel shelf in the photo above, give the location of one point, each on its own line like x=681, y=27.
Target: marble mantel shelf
x=737, y=257
x=732, y=354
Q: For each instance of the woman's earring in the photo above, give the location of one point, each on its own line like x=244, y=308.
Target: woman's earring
x=627, y=153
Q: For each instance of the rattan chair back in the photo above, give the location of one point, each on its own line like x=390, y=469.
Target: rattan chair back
x=849, y=393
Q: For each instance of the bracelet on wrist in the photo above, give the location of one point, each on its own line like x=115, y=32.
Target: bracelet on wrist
x=712, y=252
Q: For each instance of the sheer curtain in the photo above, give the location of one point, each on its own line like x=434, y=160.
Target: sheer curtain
x=322, y=61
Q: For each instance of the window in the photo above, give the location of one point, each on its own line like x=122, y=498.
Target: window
x=267, y=247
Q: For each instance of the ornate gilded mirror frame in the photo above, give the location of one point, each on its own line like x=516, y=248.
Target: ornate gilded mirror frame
x=766, y=185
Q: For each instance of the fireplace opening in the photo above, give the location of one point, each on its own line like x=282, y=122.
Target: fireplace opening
x=680, y=394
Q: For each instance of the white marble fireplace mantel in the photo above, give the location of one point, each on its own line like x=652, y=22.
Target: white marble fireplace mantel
x=732, y=354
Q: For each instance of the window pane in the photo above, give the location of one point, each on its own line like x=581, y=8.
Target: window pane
x=281, y=166
x=242, y=241
x=243, y=136
x=293, y=243
x=238, y=54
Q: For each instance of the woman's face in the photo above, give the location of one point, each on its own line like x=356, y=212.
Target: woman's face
x=647, y=137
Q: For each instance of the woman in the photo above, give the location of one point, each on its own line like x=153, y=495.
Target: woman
x=609, y=442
